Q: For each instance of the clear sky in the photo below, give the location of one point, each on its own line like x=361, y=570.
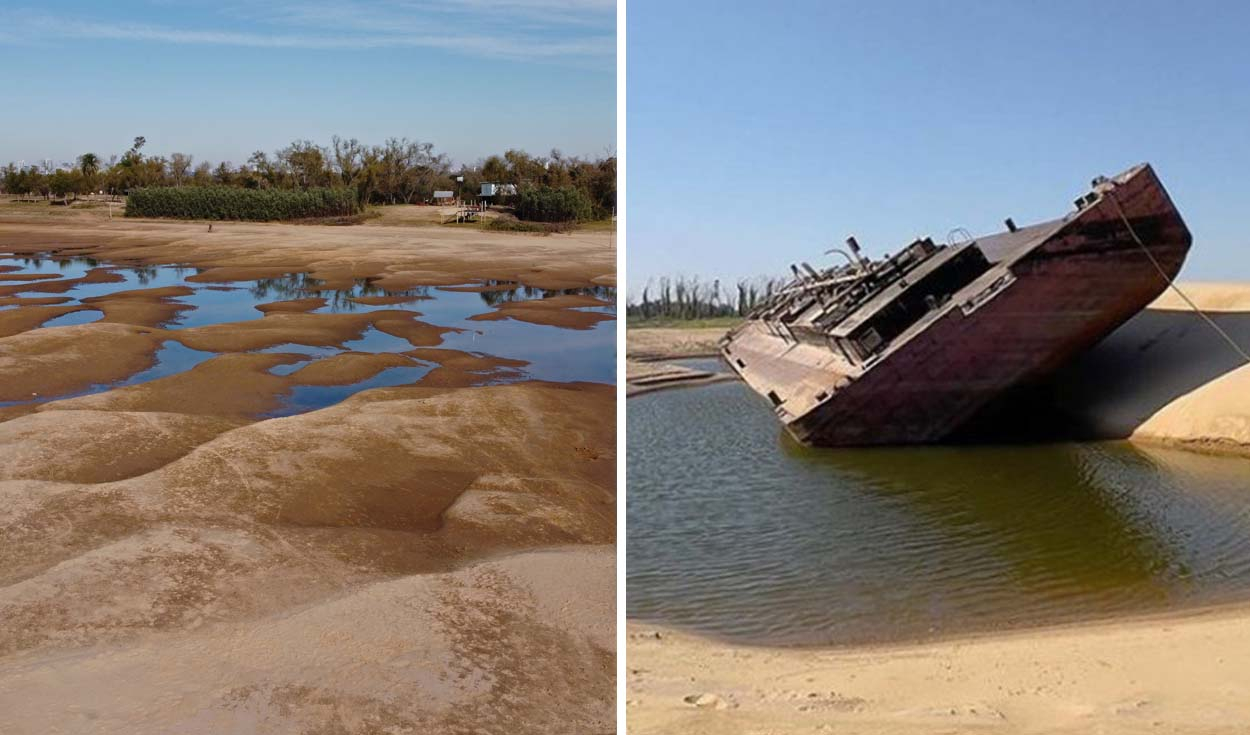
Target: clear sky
x=760, y=134
x=222, y=78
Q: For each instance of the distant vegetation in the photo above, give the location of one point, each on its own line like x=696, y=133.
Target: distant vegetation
x=500, y=224
x=554, y=187
x=689, y=299
x=554, y=204
x=232, y=203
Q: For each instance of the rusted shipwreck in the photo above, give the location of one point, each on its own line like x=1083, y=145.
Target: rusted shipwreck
x=909, y=348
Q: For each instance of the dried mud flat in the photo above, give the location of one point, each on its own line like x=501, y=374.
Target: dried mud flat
x=436, y=557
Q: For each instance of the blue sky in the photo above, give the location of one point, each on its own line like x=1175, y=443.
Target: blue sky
x=221, y=79
x=762, y=135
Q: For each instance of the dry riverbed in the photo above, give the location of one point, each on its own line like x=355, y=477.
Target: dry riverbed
x=435, y=556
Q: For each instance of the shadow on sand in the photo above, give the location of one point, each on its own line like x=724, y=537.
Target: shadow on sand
x=1157, y=357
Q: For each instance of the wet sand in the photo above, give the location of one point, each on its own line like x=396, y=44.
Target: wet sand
x=432, y=558
x=646, y=377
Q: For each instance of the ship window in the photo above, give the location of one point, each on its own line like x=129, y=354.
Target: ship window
x=741, y=364
x=776, y=399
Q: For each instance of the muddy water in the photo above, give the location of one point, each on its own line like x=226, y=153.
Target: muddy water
x=550, y=353
x=736, y=532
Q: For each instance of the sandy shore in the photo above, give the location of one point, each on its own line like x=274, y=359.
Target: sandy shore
x=430, y=558
x=658, y=343
x=646, y=377
x=1187, y=674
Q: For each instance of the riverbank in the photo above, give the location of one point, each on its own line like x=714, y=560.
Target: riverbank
x=184, y=556
x=1185, y=674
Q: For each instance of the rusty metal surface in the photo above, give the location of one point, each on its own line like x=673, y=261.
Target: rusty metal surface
x=1055, y=290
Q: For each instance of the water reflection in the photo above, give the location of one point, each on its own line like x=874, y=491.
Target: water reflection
x=501, y=292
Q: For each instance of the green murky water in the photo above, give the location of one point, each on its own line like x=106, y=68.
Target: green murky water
x=737, y=532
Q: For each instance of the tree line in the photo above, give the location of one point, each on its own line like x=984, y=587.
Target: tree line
x=397, y=171
x=682, y=298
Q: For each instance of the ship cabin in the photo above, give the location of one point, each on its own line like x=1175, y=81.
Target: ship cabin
x=918, y=281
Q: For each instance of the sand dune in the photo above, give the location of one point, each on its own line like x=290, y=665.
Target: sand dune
x=188, y=573
x=522, y=643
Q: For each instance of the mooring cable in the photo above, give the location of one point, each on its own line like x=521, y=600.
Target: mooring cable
x=1171, y=283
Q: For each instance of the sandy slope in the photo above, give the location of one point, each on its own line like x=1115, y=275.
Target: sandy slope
x=520, y=644
x=1166, y=375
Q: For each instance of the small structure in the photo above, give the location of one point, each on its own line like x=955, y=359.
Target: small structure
x=490, y=190
x=444, y=197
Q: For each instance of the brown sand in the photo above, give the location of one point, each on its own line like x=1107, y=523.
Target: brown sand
x=150, y=307
x=556, y=311
x=425, y=559
x=400, y=257
x=61, y=360
x=647, y=377
x=348, y=368
x=461, y=369
x=294, y=305
x=16, y=321
x=60, y=285
x=651, y=343
x=33, y=300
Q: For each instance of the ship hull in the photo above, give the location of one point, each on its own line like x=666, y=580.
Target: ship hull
x=1050, y=301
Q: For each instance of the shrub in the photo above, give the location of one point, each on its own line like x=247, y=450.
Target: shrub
x=553, y=204
x=231, y=203
x=501, y=224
